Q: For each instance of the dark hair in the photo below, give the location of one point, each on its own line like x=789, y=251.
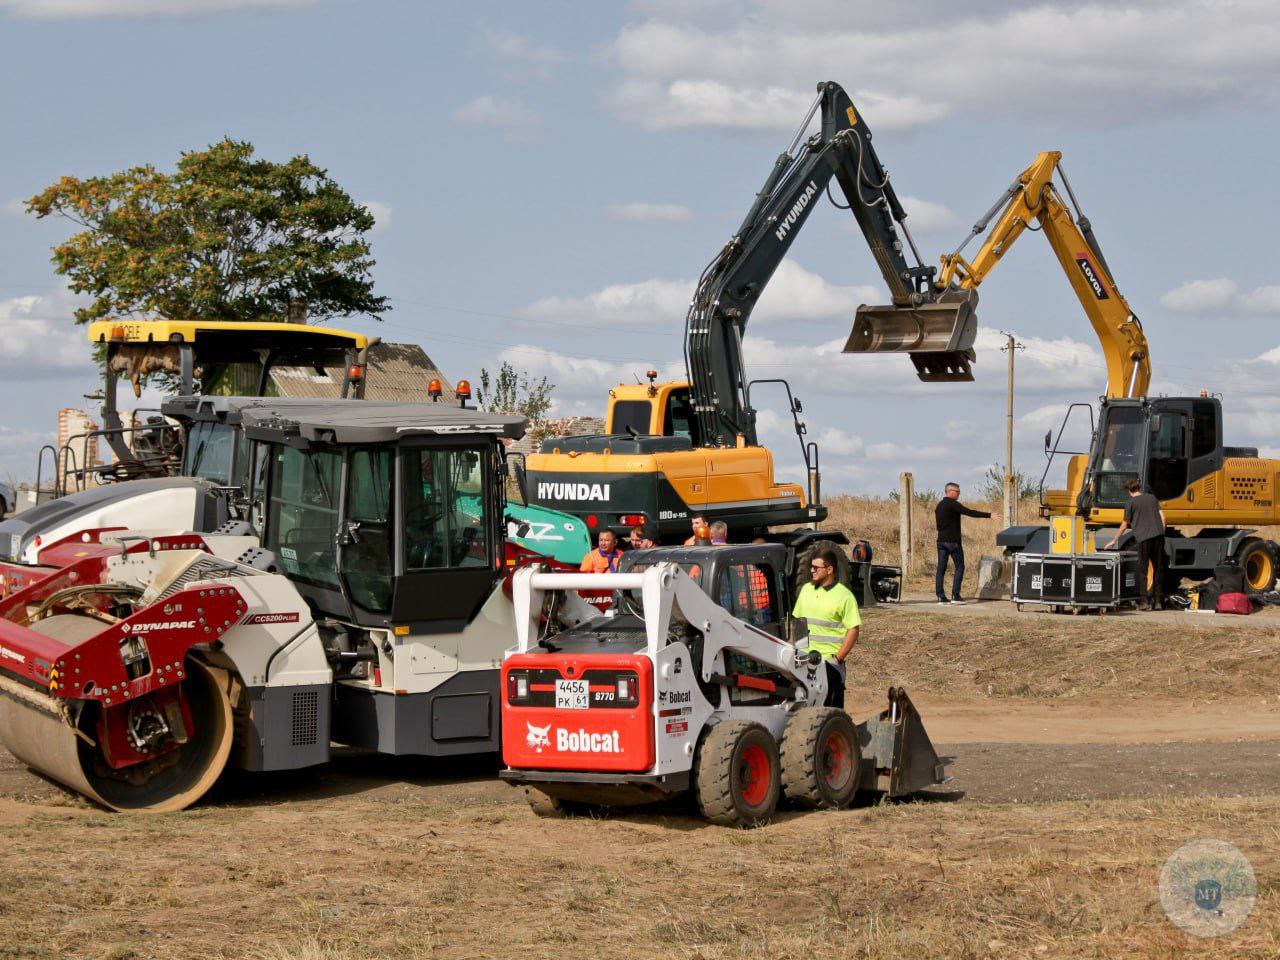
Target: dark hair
x=828, y=556
x=951, y=483
x=650, y=532
x=1133, y=486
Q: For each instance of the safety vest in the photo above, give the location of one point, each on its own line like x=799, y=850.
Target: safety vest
x=597, y=562
x=830, y=613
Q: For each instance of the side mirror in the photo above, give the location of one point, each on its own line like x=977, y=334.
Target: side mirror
x=1157, y=421
x=522, y=482
x=797, y=406
x=1048, y=440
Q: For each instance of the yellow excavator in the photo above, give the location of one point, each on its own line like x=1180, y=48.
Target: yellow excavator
x=1172, y=445
x=672, y=450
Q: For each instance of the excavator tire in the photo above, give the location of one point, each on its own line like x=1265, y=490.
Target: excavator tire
x=1258, y=562
x=821, y=758
x=736, y=774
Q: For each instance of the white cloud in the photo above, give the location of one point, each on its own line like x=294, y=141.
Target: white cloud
x=620, y=304
x=1221, y=295
x=89, y=9
x=381, y=213
x=651, y=212
x=510, y=118
x=513, y=46
x=42, y=340
x=793, y=295
x=753, y=67
x=924, y=216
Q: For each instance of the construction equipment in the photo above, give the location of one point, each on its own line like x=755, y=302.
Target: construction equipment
x=1172, y=445
x=672, y=450
x=362, y=603
x=196, y=357
x=688, y=683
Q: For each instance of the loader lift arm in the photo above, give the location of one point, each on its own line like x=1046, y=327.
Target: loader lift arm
x=1033, y=197
x=731, y=284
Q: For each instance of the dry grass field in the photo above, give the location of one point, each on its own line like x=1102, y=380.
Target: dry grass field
x=1085, y=751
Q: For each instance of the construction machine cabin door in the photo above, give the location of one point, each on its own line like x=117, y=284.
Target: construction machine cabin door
x=1185, y=446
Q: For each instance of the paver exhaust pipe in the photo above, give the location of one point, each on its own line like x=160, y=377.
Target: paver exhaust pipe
x=939, y=336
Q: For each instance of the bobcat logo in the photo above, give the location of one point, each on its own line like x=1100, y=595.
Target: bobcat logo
x=539, y=737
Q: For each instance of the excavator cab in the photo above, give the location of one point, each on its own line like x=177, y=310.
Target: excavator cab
x=1167, y=444
x=938, y=336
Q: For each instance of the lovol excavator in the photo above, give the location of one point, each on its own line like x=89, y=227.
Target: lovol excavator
x=1172, y=445
x=676, y=449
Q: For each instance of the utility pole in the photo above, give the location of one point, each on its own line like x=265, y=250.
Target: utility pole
x=1010, y=478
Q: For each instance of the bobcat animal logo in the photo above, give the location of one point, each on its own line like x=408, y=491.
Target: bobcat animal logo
x=539, y=737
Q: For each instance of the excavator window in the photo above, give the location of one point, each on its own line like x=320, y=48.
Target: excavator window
x=679, y=419
x=1167, y=471
x=632, y=416
x=1204, y=430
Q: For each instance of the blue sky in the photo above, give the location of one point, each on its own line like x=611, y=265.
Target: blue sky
x=551, y=177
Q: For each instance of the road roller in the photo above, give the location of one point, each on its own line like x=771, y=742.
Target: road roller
x=362, y=603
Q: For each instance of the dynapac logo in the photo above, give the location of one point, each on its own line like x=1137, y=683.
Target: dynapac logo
x=12, y=655
x=153, y=627
x=797, y=208
x=573, y=491
x=1091, y=277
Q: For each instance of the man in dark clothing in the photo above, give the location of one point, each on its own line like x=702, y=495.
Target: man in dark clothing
x=1142, y=515
x=950, y=544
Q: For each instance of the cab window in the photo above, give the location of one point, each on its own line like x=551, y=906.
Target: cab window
x=1204, y=431
x=209, y=451
x=633, y=414
x=680, y=420
x=302, y=513
x=746, y=591
x=445, y=493
x=367, y=532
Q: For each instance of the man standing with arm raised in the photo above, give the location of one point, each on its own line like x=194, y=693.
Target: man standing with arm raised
x=950, y=541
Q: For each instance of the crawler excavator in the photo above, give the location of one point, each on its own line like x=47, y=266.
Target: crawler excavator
x=677, y=449
x=1172, y=445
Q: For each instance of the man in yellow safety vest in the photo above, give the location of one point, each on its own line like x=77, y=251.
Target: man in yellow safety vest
x=831, y=612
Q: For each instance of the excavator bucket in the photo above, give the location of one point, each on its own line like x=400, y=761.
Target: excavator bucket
x=898, y=757
x=938, y=336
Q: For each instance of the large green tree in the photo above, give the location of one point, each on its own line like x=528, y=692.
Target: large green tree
x=226, y=236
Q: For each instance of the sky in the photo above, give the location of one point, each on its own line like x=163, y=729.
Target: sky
x=550, y=178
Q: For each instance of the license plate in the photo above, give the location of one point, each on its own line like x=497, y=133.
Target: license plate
x=572, y=695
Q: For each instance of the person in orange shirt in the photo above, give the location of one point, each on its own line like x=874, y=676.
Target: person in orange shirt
x=604, y=559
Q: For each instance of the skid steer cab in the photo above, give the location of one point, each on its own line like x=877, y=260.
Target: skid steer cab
x=687, y=684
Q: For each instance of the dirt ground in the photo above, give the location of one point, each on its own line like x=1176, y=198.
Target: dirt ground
x=1083, y=752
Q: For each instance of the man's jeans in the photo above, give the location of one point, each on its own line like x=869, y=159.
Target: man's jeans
x=956, y=552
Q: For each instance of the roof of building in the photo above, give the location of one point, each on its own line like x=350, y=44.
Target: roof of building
x=350, y=421
x=396, y=371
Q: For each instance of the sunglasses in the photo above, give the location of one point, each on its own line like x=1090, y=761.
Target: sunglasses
x=818, y=566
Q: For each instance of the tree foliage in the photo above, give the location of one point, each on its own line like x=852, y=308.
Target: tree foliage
x=512, y=391
x=226, y=236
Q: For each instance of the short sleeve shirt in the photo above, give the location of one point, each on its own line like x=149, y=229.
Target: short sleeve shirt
x=1142, y=513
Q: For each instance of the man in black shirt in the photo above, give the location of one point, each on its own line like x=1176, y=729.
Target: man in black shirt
x=950, y=543
x=1142, y=515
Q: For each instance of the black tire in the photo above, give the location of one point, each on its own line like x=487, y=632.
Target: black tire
x=1258, y=563
x=737, y=775
x=821, y=758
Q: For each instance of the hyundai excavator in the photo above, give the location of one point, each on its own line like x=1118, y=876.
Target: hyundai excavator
x=1172, y=445
x=673, y=450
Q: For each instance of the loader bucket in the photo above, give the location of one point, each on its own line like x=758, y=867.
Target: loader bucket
x=938, y=336
x=897, y=755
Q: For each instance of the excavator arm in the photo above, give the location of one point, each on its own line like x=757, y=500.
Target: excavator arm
x=1033, y=199
x=731, y=284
